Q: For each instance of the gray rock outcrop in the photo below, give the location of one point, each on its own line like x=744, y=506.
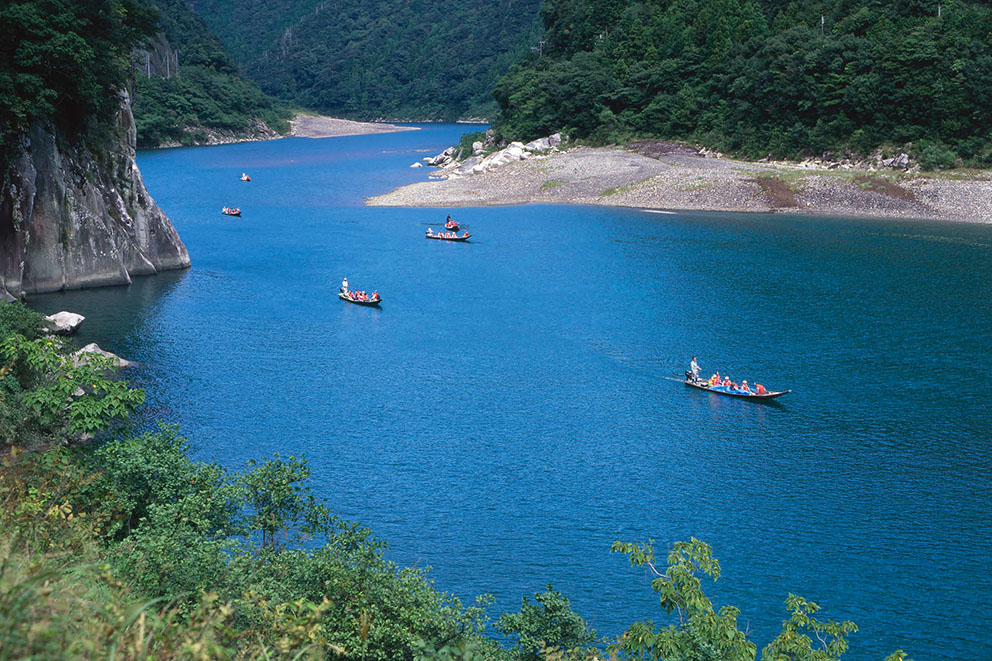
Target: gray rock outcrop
x=75, y=213
x=65, y=323
x=81, y=357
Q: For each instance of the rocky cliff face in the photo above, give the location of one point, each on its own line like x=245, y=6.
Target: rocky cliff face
x=74, y=216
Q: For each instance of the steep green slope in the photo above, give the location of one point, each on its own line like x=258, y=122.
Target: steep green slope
x=762, y=76
x=208, y=98
x=381, y=59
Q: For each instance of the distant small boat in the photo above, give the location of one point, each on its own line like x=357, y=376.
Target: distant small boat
x=730, y=391
x=245, y=177
x=451, y=225
x=372, y=303
x=231, y=211
x=440, y=237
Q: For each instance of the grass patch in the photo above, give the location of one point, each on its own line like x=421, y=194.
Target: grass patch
x=617, y=190
x=552, y=183
x=794, y=179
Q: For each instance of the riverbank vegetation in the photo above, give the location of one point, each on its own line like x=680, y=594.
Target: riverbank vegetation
x=125, y=545
x=760, y=77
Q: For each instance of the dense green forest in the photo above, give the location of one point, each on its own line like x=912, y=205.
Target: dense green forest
x=65, y=61
x=122, y=546
x=758, y=77
x=68, y=61
x=207, y=94
x=391, y=59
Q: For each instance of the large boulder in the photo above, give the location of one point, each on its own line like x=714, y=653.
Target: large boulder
x=444, y=158
x=65, y=323
x=539, y=145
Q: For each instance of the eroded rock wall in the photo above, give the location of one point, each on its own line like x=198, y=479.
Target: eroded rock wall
x=75, y=213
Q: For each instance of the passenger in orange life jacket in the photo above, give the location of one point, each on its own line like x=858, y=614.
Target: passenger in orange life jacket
x=760, y=389
x=744, y=386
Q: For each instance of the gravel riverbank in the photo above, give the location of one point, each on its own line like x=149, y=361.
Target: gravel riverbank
x=678, y=178
x=318, y=126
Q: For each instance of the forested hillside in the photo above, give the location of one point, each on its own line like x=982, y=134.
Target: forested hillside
x=758, y=77
x=64, y=62
x=391, y=59
x=207, y=95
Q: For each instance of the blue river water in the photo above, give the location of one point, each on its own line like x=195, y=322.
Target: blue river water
x=512, y=408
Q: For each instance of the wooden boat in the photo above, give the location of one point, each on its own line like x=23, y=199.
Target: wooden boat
x=227, y=211
x=245, y=177
x=451, y=226
x=730, y=392
x=439, y=237
x=372, y=304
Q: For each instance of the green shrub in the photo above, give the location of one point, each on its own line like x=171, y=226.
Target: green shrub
x=935, y=156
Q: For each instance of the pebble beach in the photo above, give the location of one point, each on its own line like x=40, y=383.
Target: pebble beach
x=672, y=177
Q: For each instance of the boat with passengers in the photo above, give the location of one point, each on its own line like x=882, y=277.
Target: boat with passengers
x=742, y=391
x=361, y=298
x=447, y=236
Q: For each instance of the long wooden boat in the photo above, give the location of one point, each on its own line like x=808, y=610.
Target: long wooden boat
x=371, y=304
x=730, y=392
x=448, y=238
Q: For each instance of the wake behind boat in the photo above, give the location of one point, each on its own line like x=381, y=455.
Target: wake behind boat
x=731, y=391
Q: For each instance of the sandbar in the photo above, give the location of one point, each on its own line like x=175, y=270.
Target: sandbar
x=318, y=126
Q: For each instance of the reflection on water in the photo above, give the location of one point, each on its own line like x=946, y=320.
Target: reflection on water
x=119, y=318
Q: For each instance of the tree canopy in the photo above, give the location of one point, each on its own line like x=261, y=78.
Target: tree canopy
x=393, y=59
x=758, y=77
x=65, y=60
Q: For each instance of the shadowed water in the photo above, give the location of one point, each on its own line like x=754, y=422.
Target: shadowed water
x=510, y=411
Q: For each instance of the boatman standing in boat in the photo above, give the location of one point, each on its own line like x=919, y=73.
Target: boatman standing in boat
x=344, y=286
x=694, y=366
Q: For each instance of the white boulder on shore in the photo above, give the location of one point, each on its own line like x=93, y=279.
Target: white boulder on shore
x=515, y=151
x=81, y=357
x=65, y=323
